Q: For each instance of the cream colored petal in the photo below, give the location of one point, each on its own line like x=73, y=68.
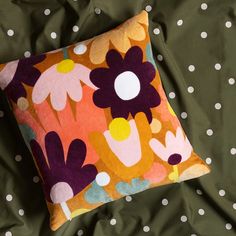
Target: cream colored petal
x=143, y=18
x=99, y=49
x=135, y=31
x=194, y=171
x=120, y=40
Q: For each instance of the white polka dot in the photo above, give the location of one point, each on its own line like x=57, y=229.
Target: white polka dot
x=199, y=191
x=208, y=160
x=184, y=115
x=148, y=8
x=80, y=232
x=18, y=158
x=1, y=114
x=193, y=235
x=102, y=179
x=180, y=22
x=127, y=85
x=27, y=54
x=228, y=24
x=217, y=106
x=231, y=81
x=146, y=229
x=201, y=212
x=172, y=95
x=80, y=49
x=164, y=202
x=156, y=31
x=53, y=35
x=9, y=197
x=8, y=233
x=75, y=28
x=190, y=89
x=97, y=11
x=159, y=57
x=228, y=226
x=183, y=218
x=209, y=132
x=204, y=35
x=204, y=6
x=222, y=192
x=217, y=66
x=10, y=32
x=128, y=198
x=191, y=68
x=36, y=179
x=234, y=206
x=233, y=151
x=21, y=212
x=113, y=221
x=47, y=12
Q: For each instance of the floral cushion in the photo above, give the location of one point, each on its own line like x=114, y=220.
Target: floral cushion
x=97, y=121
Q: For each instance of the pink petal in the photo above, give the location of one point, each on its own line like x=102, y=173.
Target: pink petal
x=159, y=149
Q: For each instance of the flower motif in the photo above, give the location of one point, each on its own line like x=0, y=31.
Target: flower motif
x=125, y=139
x=125, y=86
x=18, y=73
x=62, y=179
x=59, y=80
x=165, y=110
x=133, y=29
x=177, y=149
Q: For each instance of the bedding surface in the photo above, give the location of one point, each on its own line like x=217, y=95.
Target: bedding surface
x=194, y=46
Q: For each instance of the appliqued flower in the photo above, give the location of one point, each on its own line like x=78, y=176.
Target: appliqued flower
x=59, y=80
x=62, y=178
x=124, y=147
x=125, y=85
x=133, y=29
x=18, y=73
x=177, y=148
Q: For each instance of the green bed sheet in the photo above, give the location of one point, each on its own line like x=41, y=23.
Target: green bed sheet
x=194, y=43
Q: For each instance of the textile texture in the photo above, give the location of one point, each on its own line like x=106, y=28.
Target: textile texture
x=193, y=46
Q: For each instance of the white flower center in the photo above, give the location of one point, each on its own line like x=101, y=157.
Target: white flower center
x=127, y=85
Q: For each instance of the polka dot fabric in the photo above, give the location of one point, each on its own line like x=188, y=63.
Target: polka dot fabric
x=213, y=43
x=98, y=149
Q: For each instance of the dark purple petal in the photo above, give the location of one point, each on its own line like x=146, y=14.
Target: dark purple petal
x=100, y=77
x=134, y=56
x=146, y=72
x=102, y=98
x=153, y=97
x=114, y=59
x=83, y=178
x=119, y=111
x=39, y=157
x=76, y=154
x=174, y=159
x=15, y=90
x=54, y=150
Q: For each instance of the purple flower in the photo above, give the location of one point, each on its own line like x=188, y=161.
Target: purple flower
x=62, y=179
x=125, y=85
x=21, y=72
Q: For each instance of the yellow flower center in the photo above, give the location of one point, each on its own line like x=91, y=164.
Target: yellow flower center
x=119, y=129
x=170, y=109
x=65, y=66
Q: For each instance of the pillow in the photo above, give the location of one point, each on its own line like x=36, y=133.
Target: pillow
x=97, y=121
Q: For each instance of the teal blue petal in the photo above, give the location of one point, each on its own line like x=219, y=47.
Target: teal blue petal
x=150, y=55
x=27, y=133
x=96, y=194
x=136, y=186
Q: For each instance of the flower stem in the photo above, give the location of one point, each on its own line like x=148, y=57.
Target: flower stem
x=66, y=210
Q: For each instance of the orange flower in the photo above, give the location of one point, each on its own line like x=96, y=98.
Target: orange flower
x=119, y=37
